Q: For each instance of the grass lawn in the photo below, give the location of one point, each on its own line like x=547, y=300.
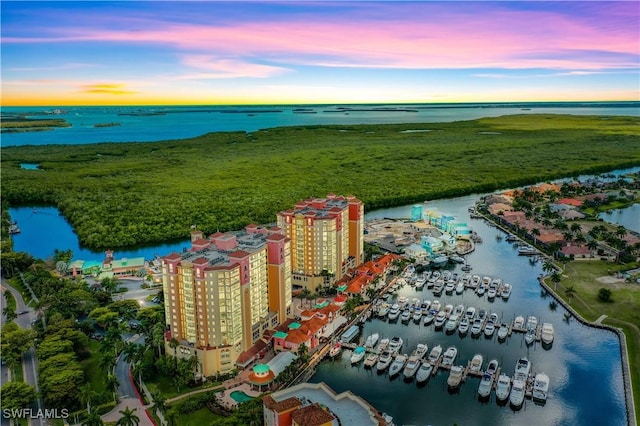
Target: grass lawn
x=201, y=417
x=587, y=278
x=10, y=300
x=17, y=374
x=91, y=368
x=16, y=283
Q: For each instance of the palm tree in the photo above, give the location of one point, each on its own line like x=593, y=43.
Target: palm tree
x=157, y=337
x=547, y=266
x=128, y=418
x=555, y=279
x=172, y=417
x=173, y=344
x=87, y=395
x=92, y=419
x=575, y=227
x=621, y=231
x=113, y=383
x=570, y=291
x=536, y=233
x=159, y=401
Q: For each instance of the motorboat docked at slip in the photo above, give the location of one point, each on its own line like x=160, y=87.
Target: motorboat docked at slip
x=503, y=387
x=428, y=319
x=476, y=363
x=372, y=340
x=410, y=369
x=424, y=372
x=397, y=365
x=358, y=354
x=530, y=336
x=449, y=355
x=540, y=387
x=486, y=383
x=441, y=317
x=503, y=332
x=547, y=334
x=455, y=376
x=395, y=344
x=463, y=327
x=435, y=354
x=523, y=369
x=394, y=312
x=335, y=349
x=421, y=350
x=384, y=361
x=506, y=291
x=516, y=397
x=476, y=327
x=452, y=324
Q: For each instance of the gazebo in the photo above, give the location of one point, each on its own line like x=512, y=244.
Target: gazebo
x=261, y=375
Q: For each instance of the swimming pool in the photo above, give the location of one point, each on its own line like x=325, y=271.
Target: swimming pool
x=239, y=396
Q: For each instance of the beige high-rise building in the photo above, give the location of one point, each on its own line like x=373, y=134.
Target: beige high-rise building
x=326, y=238
x=221, y=295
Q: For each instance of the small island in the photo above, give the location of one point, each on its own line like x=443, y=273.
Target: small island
x=18, y=124
x=115, y=124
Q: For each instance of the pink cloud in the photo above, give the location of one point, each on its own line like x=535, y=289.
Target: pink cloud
x=463, y=38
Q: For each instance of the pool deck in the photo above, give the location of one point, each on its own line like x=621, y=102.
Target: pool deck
x=224, y=397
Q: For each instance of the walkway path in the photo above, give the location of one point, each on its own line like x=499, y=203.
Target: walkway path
x=600, y=319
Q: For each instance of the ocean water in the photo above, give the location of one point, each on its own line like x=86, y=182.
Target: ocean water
x=145, y=124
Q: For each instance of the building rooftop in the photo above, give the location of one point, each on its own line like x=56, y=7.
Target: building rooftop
x=321, y=208
x=312, y=415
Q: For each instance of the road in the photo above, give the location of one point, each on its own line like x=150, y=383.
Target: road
x=29, y=361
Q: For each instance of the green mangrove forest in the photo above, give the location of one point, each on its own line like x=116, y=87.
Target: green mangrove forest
x=121, y=194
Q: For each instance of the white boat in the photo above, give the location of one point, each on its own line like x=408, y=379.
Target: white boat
x=506, y=291
x=463, y=328
x=449, y=287
x=417, y=315
x=406, y=315
x=518, y=323
x=335, y=349
x=503, y=387
x=372, y=341
x=493, y=318
x=452, y=323
x=384, y=310
x=492, y=367
x=371, y=360
x=384, y=345
x=435, y=353
x=476, y=363
x=436, y=305
x=428, y=319
x=523, y=368
x=459, y=310
x=503, y=331
x=420, y=282
x=397, y=365
x=440, y=260
x=448, y=309
x=455, y=376
x=476, y=327
x=530, y=336
x=437, y=288
x=358, y=354
x=540, y=387
x=457, y=259
x=411, y=367
x=471, y=313
x=527, y=250
x=384, y=361
x=516, y=397
x=532, y=322
x=460, y=288
x=547, y=333
x=394, y=312
x=475, y=281
x=491, y=293
x=440, y=319
x=402, y=300
x=486, y=280
x=421, y=350
x=395, y=344
x=424, y=372
x=486, y=383
x=449, y=355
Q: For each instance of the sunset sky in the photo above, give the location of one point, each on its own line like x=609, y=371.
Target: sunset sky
x=146, y=52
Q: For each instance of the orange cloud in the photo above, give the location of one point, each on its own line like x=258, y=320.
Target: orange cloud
x=105, y=88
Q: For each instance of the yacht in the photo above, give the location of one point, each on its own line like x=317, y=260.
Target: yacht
x=428, y=319
x=459, y=310
x=476, y=327
x=480, y=290
x=547, y=333
x=506, y=291
x=397, y=365
x=516, y=397
x=437, y=288
x=420, y=282
x=503, y=331
x=406, y=315
x=503, y=387
x=452, y=323
x=384, y=345
x=426, y=304
x=372, y=341
x=395, y=344
x=486, y=383
x=435, y=353
x=455, y=376
x=449, y=355
x=493, y=318
x=394, y=312
x=384, y=361
x=476, y=363
x=371, y=360
x=475, y=281
x=417, y=315
x=446, y=276
x=448, y=309
x=540, y=387
x=492, y=368
x=530, y=336
x=383, y=311
x=436, y=305
x=411, y=367
x=471, y=313
x=440, y=319
x=421, y=350
x=527, y=250
x=358, y=354
x=335, y=349
x=523, y=368
x=460, y=288
x=491, y=293
x=532, y=323
x=463, y=328
x=424, y=372
x=449, y=287
x=518, y=323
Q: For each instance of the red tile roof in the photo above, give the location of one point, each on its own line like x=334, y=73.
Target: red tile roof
x=173, y=256
x=311, y=415
x=201, y=261
x=280, y=406
x=570, y=202
x=239, y=254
